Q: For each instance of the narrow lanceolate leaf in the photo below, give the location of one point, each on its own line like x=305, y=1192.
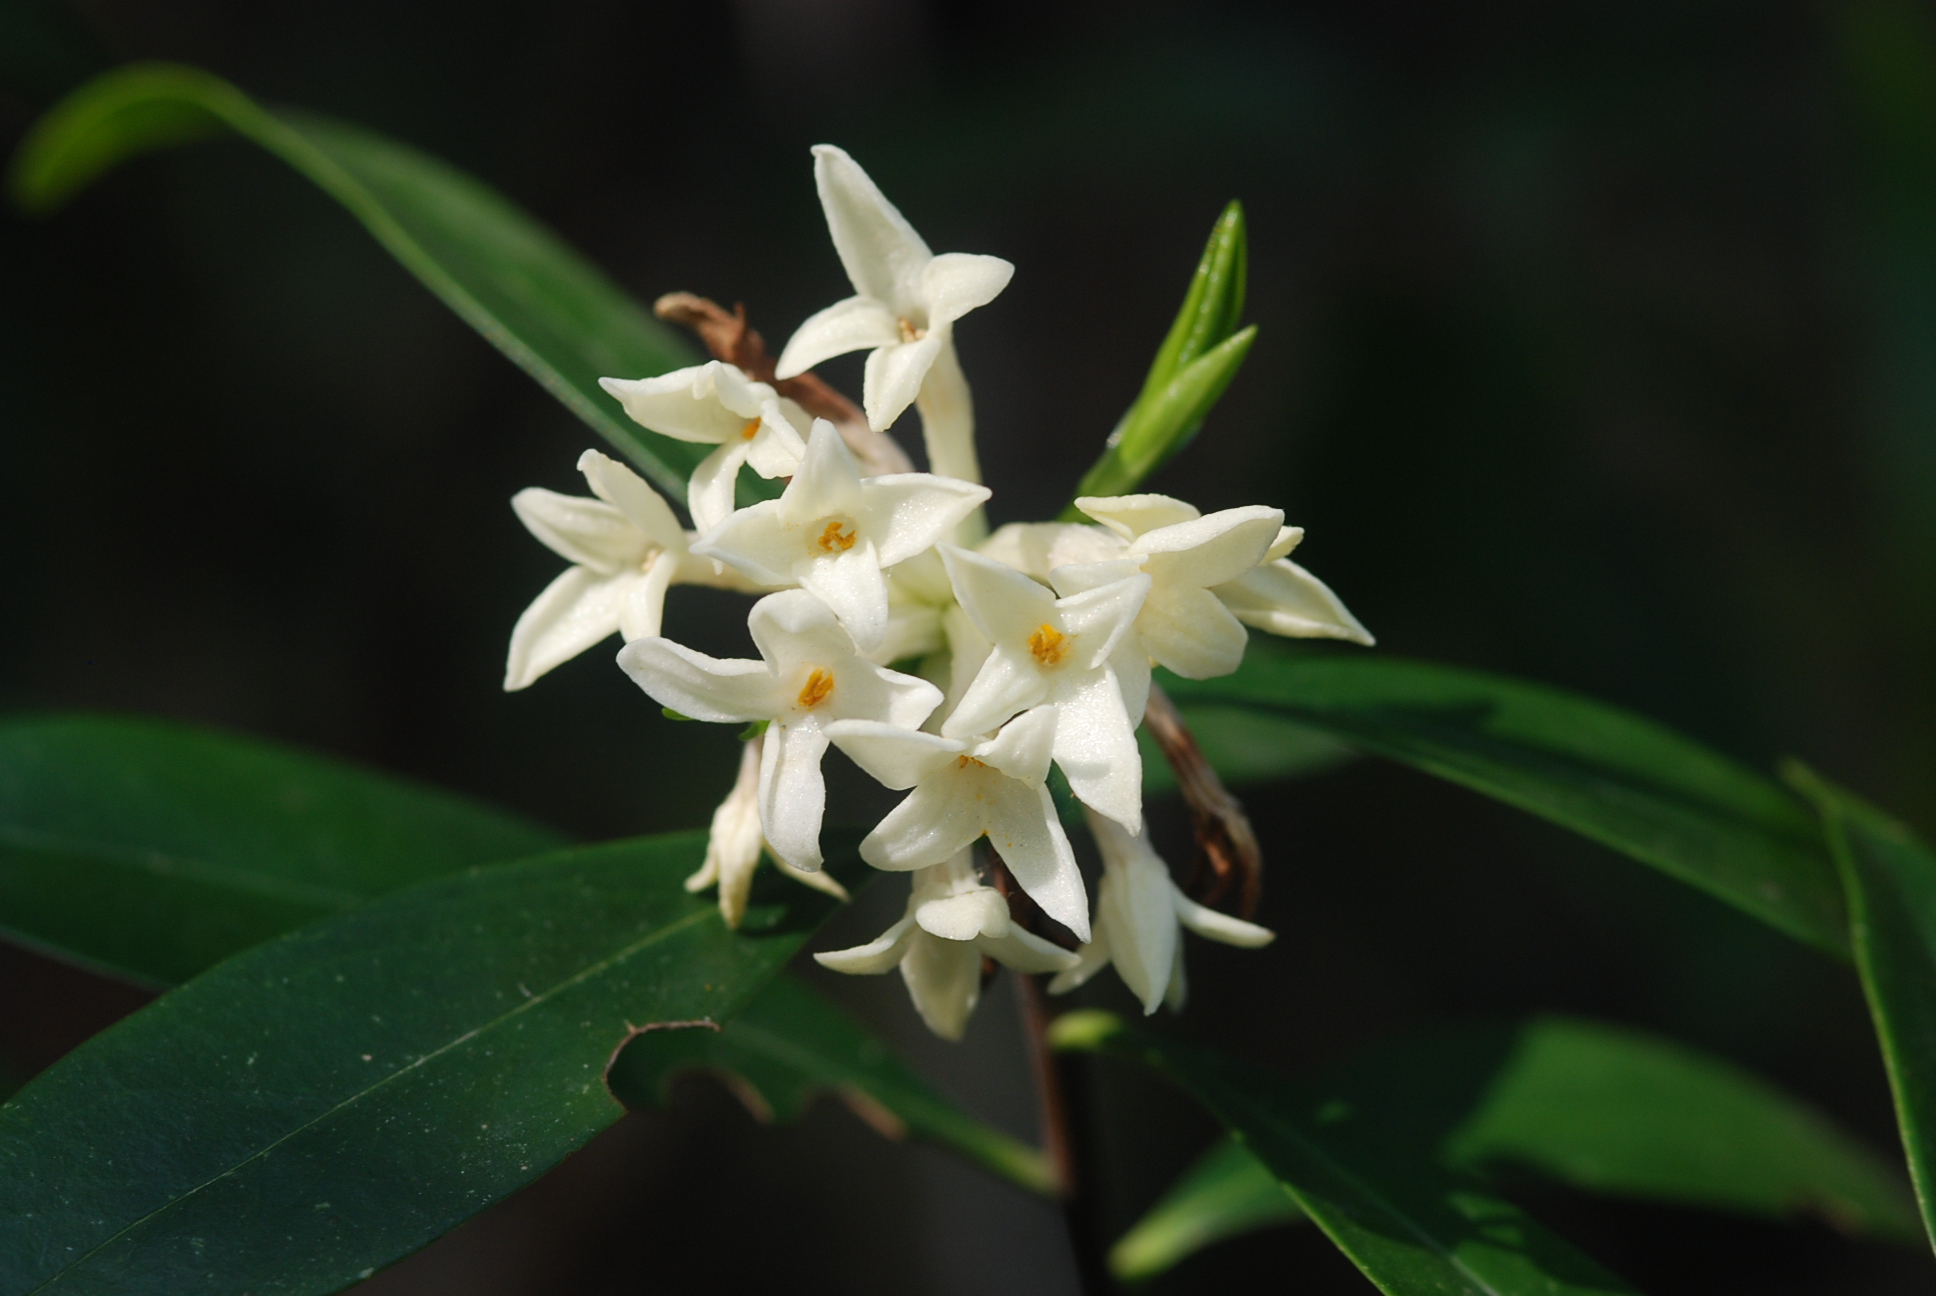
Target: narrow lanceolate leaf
x=156, y=850
x=1413, y=1226
x=507, y=275
x=789, y=1045
x=1890, y=877
x=1610, y=775
x=311, y=1110
x=1596, y=1107
x=1245, y=747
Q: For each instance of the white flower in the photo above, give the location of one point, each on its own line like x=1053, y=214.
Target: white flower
x=1182, y=625
x=716, y=404
x=951, y=921
x=626, y=547
x=965, y=790
x=1052, y=652
x=733, y=847
x=1038, y=548
x=906, y=298
x=1280, y=597
x=832, y=531
x=1138, y=911
x=809, y=677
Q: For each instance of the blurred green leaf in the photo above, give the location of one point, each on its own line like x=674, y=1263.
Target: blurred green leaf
x=1596, y=1107
x=1413, y=1226
x=156, y=850
x=319, y=1106
x=1245, y=747
x=1193, y=366
x=1624, y=781
x=1890, y=877
x=791, y=1044
x=513, y=280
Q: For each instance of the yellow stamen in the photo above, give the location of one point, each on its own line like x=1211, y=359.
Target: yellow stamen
x=751, y=430
x=964, y=761
x=837, y=537
x=819, y=686
x=1048, y=645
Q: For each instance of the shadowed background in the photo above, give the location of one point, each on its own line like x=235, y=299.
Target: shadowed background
x=1597, y=346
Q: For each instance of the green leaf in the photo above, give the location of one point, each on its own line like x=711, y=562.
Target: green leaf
x=156, y=850
x=512, y=279
x=316, y=1107
x=1226, y=1193
x=1890, y=878
x=1412, y=1226
x=1610, y=775
x=1596, y=1107
x=1196, y=361
x=791, y=1044
x=1245, y=747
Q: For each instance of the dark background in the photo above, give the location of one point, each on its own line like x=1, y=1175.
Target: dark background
x=1598, y=345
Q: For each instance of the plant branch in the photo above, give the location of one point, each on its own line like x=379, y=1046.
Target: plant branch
x=1227, y=850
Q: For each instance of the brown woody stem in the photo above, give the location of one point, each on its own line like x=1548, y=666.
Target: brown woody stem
x=1227, y=851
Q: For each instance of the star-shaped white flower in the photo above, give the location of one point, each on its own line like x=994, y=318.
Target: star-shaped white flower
x=963, y=791
x=716, y=404
x=1183, y=625
x=1138, y=912
x=734, y=845
x=906, y=298
x=625, y=547
x=809, y=676
x=951, y=921
x=1054, y=652
x=832, y=531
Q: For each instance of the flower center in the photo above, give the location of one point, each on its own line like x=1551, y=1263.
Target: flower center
x=964, y=760
x=909, y=333
x=1048, y=645
x=838, y=537
x=818, y=688
x=751, y=430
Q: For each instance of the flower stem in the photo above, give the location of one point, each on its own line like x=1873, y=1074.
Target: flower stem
x=1061, y=1094
x=1227, y=849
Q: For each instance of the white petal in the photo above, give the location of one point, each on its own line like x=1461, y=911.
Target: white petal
x=1287, y=539
x=905, y=700
x=1080, y=578
x=852, y=585
x=1023, y=829
x=709, y=492
x=898, y=758
x=1189, y=631
x=933, y=823
x=944, y=981
x=1284, y=599
x=893, y=375
x=1002, y=687
x=1090, y=959
x=980, y=912
x=702, y=687
x=856, y=324
x=1219, y=926
x=880, y=251
x=1037, y=548
x=882, y=954
x=734, y=842
x=793, y=793
x=1026, y=952
x=1096, y=749
x=574, y=612
x=619, y=486
x=954, y=283
x=1004, y=604
x=913, y=630
x=1131, y=515
x=1210, y=550
x=1097, y=619
x=778, y=447
x=1137, y=909
x=642, y=609
x=828, y=483
x=1023, y=748
x=588, y=532
x=794, y=629
x=906, y=514
x=759, y=541
x=1132, y=667
x=696, y=404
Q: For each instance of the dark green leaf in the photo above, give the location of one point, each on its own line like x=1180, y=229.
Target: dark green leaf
x=1411, y=1225
x=1890, y=878
x=1597, y=1107
x=1624, y=781
x=1212, y=305
x=318, y=1106
x=513, y=280
x=790, y=1044
x=156, y=850
x=1245, y=747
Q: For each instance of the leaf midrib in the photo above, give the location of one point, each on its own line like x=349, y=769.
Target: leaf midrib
x=527, y=1005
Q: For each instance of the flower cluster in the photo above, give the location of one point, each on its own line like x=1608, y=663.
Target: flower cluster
x=1032, y=646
